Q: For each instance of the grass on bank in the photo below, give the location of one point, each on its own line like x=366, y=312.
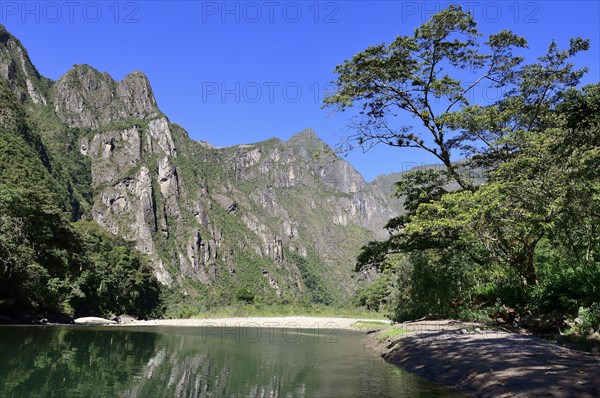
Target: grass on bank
x=371, y=325
x=391, y=332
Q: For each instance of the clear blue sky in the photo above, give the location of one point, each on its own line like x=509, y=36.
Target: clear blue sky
x=241, y=72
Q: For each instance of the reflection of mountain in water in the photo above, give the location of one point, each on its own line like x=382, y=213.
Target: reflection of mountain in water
x=192, y=365
x=199, y=376
x=196, y=362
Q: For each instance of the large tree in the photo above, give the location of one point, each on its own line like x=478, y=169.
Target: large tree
x=423, y=91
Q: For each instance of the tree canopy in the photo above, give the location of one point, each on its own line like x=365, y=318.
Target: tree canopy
x=433, y=76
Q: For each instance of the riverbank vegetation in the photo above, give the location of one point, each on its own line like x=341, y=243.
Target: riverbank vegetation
x=511, y=231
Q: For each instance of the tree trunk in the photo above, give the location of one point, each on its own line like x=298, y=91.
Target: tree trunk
x=527, y=266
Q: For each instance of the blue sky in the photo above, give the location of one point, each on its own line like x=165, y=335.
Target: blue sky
x=241, y=72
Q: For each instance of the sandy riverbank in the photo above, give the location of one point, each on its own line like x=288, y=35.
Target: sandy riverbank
x=303, y=322
x=491, y=363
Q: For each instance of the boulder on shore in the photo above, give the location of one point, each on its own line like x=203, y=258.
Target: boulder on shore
x=92, y=320
x=124, y=319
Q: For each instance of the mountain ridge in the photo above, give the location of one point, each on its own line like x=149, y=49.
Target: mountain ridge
x=284, y=219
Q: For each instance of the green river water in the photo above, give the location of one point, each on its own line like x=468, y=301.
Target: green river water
x=61, y=361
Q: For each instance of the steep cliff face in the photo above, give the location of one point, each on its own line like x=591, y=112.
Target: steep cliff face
x=283, y=219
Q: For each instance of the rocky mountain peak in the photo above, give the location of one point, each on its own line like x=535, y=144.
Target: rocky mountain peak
x=135, y=91
x=306, y=138
x=85, y=97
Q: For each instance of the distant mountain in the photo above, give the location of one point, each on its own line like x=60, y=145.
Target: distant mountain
x=284, y=220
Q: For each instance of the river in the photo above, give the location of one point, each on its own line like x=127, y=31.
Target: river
x=70, y=361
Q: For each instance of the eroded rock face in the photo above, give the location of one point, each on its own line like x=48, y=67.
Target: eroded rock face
x=112, y=153
x=128, y=209
x=169, y=186
x=201, y=259
x=160, y=133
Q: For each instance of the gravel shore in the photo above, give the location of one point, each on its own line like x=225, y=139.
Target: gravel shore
x=303, y=322
x=491, y=363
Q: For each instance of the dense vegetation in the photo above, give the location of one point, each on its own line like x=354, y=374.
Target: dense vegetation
x=515, y=226
x=49, y=262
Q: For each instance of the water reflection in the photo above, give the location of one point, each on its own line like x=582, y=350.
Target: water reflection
x=197, y=362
